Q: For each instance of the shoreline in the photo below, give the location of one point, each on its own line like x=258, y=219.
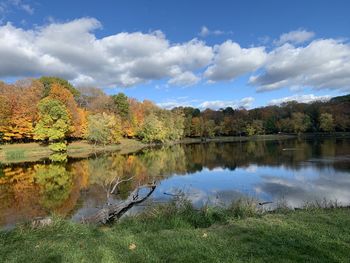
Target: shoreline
x=33, y=152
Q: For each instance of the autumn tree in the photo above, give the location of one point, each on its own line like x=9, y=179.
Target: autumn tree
x=152, y=130
x=18, y=108
x=301, y=122
x=104, y=128
x=209, y=128
x=197, y=127
x=48, y=82
x=326, y=122
x=78, y=116
x=54, y=123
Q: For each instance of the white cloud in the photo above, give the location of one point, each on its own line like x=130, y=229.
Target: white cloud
x=9, y=5
x=173, y=104
x=306, y=98
x=206, y=32
x=232, y=61
x=211, y=104
x=218, y=104
x=177, y=102
x=323, y=64
x=296, y=37
x=72, y=51
x=184, y=79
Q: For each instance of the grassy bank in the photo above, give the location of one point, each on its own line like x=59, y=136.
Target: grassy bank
x=170, y=234
x=29, y=152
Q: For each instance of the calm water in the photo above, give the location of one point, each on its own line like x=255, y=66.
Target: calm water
x=292, y=171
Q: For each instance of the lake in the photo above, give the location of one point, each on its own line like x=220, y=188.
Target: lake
x=291, y=171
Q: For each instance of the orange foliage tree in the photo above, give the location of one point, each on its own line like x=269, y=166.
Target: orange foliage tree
x=77, y=115
x=18, y=109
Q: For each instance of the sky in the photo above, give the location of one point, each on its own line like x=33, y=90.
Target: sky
x=205, y=54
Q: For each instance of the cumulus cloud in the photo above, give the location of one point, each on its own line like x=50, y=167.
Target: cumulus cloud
x=72, y=50
x=178, y=102
x=323, y=64
x=173, y=104
x=210, y=104
x=306, y=98
x=296, y=37
x=218, y=104
x=231, y=61
x=184, y=79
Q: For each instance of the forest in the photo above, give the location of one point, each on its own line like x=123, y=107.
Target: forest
x=51, y=110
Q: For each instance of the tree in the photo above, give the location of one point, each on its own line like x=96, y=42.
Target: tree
x=121, y=104
x=326, y=122
x=301, y=122
x=173, y=123
x=54, y=123
x=18, y=109
x=209, y=128
x=77, y=116
x=104, y=128
x=197, y=127
x=49, y=81
x=250, y=130
x=152, y=130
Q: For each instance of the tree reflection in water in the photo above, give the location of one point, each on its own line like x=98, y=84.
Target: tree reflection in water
x=73, y=186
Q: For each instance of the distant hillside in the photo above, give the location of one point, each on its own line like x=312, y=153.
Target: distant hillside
x=339, y=99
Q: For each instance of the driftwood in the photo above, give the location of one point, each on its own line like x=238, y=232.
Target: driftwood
x=265, y=203
x=41, y=222
x=113, y=212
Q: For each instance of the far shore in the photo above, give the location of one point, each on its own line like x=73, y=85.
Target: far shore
x=33, y=151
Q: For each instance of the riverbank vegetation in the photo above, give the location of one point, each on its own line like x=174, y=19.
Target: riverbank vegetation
x=181, y=233
x=54, y=112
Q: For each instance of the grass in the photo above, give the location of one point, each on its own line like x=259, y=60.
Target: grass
x=170, y=233
x=16, y=154
x=30, y=152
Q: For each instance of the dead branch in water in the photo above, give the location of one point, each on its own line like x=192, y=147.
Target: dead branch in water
x=113, y=212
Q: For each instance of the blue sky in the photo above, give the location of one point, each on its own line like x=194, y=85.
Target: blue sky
x=200, y=53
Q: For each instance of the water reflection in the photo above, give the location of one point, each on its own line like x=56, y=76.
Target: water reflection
x=293, y=170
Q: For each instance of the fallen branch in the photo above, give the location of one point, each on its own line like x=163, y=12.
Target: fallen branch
x=113, y=212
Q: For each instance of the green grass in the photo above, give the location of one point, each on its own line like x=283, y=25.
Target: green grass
x=16, y=154
x=31, y=152
x=173, y=234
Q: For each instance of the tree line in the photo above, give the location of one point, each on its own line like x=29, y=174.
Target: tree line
x=53, y=111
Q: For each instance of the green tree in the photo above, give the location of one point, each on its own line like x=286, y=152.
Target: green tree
x=152, y=130
x=121, y=104
x=301, y=122
x=104, y=128
x=326, y=122
x=173, y=123
x=209, y=128
x=54, y=123
x=49, y=81
x=258, y=126
x=250, y=130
